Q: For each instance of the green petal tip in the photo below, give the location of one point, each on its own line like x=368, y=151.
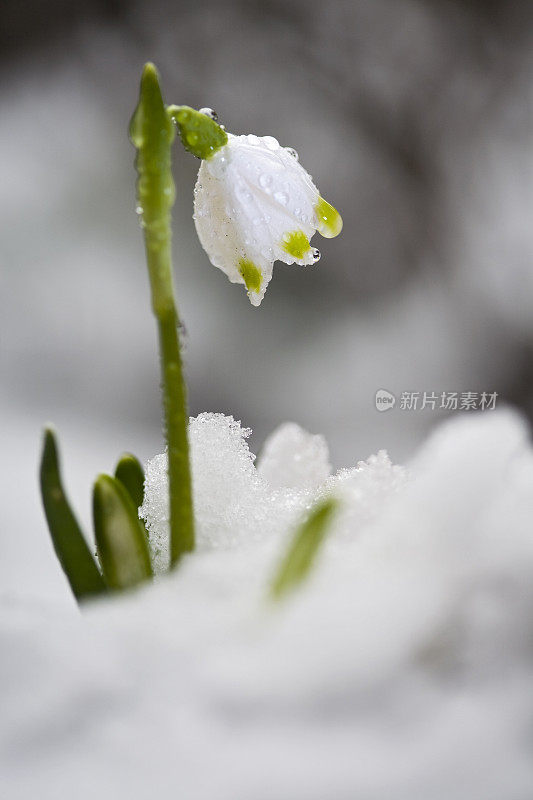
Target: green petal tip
x=251, y=275
x=329, y=219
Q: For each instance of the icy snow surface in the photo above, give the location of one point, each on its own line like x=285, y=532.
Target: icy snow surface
x=401, y=669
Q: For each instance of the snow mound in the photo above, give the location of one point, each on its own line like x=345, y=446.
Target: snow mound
x=403, y=667
x=237, y=504
x=293, y=458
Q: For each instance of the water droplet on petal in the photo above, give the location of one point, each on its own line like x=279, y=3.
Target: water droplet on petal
x=316, y=254
x=139, y=210
x=281, y=197
x=265, y=180
x=292, y=152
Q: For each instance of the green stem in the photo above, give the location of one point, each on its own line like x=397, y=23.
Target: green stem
x=179, y=481
x=152, y=133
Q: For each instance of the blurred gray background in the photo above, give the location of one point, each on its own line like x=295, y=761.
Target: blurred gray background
x=415, y=119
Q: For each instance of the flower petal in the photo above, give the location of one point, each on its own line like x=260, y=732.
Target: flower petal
x=255, y=204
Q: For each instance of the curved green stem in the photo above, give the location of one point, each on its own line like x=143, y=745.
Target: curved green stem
x=152, y=133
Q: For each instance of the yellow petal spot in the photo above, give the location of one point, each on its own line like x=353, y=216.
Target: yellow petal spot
x=329, y=219
x=296, y=244
x=251, y=274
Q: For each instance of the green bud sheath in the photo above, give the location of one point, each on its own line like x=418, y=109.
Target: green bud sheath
x=68, y=540
x=200, y=134
x=120, y=537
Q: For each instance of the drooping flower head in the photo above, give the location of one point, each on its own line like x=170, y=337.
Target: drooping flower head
x=253, y=202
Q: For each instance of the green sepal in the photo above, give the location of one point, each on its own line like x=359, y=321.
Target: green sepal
x=120, y=538
x=303, y=549
x=200, y=135
x=68, y=540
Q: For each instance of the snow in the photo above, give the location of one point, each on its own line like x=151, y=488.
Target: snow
x=237, y=504
x=401, y=669
x=293, y=458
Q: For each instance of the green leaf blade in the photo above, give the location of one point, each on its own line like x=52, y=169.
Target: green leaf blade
x=69, y=543
x=304, y=548
x=130, y=473
x=120, y=537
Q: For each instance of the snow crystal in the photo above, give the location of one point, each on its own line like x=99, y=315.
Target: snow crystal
x=237, y=504
x=293, y=458
x=227, y=492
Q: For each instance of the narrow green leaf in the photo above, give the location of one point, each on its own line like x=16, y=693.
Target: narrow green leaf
x=303, y=548
x=120, y=538
x=130, y=473
x=67, y=538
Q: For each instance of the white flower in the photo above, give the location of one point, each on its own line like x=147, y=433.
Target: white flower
x=255, y=204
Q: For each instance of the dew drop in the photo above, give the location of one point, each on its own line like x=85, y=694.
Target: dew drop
x=316, y=254
x=139, y=210
x=281, y=197
x=292, y=152
x=265, y=180
x=209, y=112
